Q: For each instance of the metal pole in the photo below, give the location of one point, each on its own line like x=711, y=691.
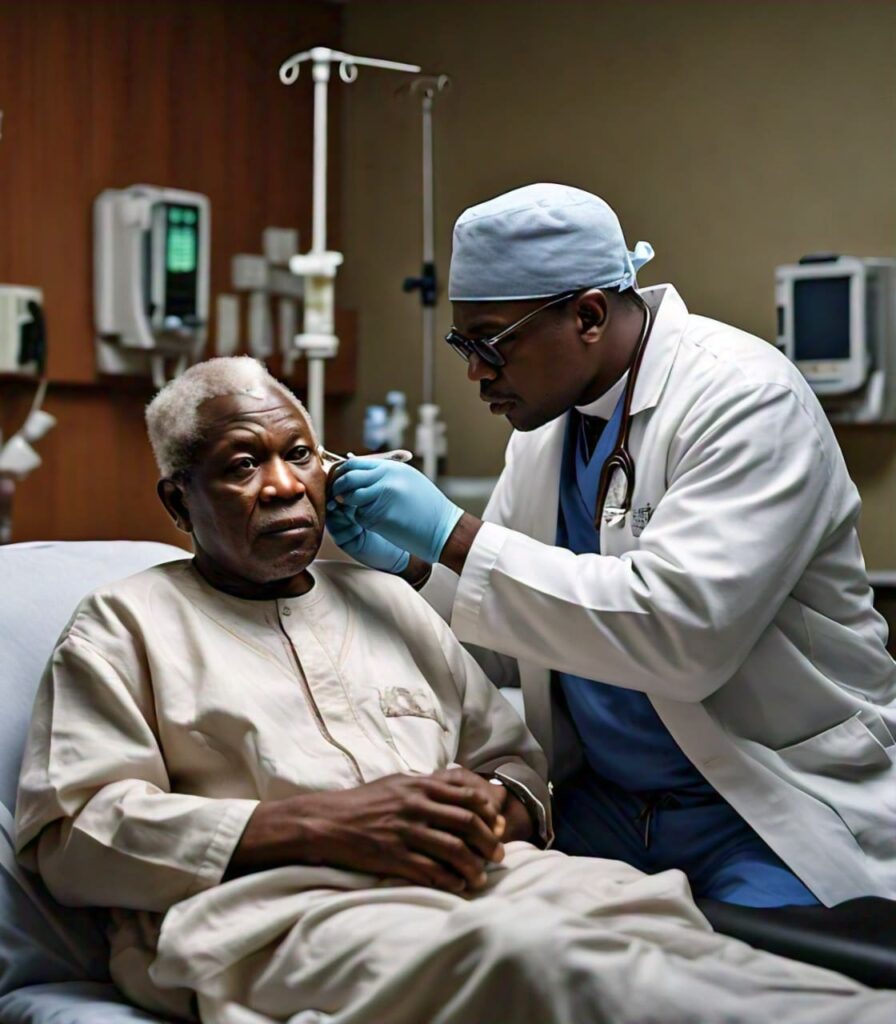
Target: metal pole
x=316, y=363
x=321, y=74
x=429, y=319
x=316, y=394
x=318, y=266
x=430, y=436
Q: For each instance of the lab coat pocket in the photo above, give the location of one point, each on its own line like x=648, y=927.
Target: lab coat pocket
x=849, y=751
x=851, y=768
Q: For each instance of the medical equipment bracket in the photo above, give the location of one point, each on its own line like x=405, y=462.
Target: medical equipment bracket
x=318, y=267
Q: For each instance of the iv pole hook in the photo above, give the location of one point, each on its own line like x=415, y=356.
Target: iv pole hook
x=318, y=267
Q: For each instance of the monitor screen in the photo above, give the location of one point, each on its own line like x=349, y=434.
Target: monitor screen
x=821, y=318
x=181, y=258
x=180, y=250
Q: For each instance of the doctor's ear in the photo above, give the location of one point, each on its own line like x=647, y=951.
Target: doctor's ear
x=171, y=494
x=591, y=312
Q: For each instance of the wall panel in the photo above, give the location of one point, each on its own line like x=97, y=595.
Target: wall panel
x=734, y=136
x=99, y=94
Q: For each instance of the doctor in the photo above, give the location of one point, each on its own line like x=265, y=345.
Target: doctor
x=669, y=567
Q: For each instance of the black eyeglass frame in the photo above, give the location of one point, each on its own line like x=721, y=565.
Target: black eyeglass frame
x=486, y=348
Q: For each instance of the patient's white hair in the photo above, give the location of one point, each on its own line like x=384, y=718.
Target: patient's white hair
x=173, y=419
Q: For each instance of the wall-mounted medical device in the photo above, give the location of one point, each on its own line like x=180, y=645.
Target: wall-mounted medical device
x=151, y=280
x=18, y=458
x=267, y=280
x=837, y=323
x=23, y=337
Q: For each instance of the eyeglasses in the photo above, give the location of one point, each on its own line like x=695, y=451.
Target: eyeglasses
x=487, y=348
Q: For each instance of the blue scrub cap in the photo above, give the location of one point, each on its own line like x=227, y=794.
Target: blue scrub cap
x=539, y=241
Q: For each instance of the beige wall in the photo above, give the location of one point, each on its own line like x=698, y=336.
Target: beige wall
x=732, y=134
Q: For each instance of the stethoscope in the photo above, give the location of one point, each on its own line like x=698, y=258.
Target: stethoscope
x=620, y=458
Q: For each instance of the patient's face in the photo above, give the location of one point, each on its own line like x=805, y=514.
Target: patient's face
x=255, y=498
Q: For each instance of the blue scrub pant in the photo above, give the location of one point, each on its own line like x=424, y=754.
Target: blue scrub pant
x=700, y=834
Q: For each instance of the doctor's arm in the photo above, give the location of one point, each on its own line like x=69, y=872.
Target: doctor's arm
x=371, y=498
x=747, y=506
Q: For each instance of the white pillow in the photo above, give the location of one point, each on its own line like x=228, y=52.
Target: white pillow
x=40, y=586
x=79, y=1002
x=39, y=940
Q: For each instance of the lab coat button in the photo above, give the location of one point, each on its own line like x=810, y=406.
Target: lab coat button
x=287, y=610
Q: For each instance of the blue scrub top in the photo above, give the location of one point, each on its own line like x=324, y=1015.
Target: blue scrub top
x=623, y=737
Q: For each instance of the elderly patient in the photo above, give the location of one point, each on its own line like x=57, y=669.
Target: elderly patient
x=302, y=801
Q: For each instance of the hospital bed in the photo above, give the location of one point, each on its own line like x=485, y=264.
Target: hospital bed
x=53, y=959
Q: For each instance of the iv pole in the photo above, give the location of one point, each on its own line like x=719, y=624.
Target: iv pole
x=318, y=266
x=430, y=440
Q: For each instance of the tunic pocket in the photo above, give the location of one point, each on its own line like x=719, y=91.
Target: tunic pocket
x=414, y=720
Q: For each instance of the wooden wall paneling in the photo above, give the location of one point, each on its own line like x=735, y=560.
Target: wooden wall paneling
x=98, y=478
x=100, y=94
x=17, y=188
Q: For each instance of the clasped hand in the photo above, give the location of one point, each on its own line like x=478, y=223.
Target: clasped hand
x=436, y=830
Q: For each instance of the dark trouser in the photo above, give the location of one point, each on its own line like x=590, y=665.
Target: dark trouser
x=703, y=836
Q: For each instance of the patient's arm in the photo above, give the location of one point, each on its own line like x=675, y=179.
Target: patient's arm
x=98, y=819
x=436, y=830
x=95, y=813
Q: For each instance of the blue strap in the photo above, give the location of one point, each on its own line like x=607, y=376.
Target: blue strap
x=588, y=474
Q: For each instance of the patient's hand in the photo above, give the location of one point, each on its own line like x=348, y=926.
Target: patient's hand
x=514, y=820
x=435, y=830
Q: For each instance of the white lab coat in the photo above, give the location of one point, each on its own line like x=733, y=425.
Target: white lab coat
x=734, y=595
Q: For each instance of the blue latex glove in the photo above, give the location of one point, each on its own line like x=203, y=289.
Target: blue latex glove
x=397, y=502
x=363, y=545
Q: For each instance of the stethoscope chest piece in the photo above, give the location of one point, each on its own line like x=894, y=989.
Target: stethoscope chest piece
x=617, y=478
x=615, y=505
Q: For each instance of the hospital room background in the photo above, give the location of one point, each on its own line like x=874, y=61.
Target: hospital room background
x=737, y=136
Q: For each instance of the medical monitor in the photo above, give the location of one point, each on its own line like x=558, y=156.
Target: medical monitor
x=821, y=319
x=826, y=320
x=152, y=259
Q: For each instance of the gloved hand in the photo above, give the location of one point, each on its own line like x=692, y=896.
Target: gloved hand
x=397, y=502
x=363, y=545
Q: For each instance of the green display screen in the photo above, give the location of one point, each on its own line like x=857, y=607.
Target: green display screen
x=181, y=245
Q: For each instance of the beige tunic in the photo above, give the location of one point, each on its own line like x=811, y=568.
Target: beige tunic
x=169, y=709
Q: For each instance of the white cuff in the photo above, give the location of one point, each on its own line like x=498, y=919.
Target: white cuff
x=471, y=587
x=537, y=810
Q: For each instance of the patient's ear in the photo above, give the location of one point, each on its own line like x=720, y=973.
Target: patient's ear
x=171, y=494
